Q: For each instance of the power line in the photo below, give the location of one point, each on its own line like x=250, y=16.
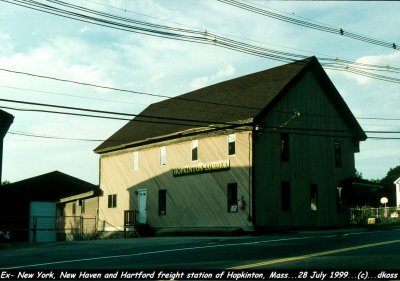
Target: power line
x=26, y=134
x=308, y=24
x=19, y=133
x=333, y=59
x=121, y=90
x=139, y=117
x=68, y=95
x=175, y=121
x=188, y=35
x=153, y=95
x=203, y=30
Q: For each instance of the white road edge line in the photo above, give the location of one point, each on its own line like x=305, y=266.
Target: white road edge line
x=183, y=249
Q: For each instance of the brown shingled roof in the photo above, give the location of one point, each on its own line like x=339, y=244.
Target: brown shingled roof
x=238, y=99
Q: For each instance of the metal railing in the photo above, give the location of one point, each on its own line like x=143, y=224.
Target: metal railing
x=383, y=215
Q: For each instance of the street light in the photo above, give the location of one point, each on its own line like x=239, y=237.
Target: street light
x=384, y=200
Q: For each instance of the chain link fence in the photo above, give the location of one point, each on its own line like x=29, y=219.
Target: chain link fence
x=47, y=228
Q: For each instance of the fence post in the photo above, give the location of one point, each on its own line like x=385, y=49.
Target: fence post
x=81, y=227
x=34, y=228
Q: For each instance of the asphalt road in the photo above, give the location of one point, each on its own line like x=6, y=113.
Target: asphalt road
x=346, y=249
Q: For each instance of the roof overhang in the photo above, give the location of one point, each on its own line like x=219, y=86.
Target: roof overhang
x=246, y=124
x=85, y=195
x=357, y=182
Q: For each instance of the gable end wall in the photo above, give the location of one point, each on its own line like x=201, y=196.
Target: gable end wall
x=311, y=158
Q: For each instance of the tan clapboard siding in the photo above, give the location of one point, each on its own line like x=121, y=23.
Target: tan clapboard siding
x=78, y=223
x=192, y=200
x=311, y=160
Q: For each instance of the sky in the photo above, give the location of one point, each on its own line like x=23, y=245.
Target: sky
x=48, y=45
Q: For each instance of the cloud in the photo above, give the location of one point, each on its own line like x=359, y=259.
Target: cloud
x=157, y=77
x=84, y=29
x=222, y=74
x=389, y=60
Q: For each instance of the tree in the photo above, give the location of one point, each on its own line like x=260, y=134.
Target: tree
x=5, y=182
x=358, y=174
x=391, y=176
x=387, y=182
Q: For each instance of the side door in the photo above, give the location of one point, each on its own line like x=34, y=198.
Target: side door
x=142, y=206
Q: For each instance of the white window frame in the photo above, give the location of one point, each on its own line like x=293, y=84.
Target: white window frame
x=135, y=161
x=232, y=139
x=195, y=145
x=163, y=155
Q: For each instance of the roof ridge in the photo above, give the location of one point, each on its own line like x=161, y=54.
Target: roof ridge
x=240, y=98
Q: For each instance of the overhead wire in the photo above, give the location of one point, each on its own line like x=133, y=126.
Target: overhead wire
x=232, y=44
x=193, y=122
x=68, y=95
x=195, y=36
x=121, y=90
x=329, y=58
x=309, y=24
x=156, y=95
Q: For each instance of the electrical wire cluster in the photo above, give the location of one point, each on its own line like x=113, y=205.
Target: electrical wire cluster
x=70, y=11
x=214, y=125
x=79, y=13
x=309, y=24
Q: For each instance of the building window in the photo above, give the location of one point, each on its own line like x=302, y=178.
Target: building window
x=163, y=156
x=112, y=201
x=162, y=202
x=339, y=199
x=74, y=208
x=285, y=147
x=195, y=145
x=231, y=144
x=135, y=160
x=314, y=197
x=232, y=198
x=285, y=196
x=337, y=147
x=82, y=204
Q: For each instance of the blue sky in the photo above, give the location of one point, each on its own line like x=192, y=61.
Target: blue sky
x=45, y=44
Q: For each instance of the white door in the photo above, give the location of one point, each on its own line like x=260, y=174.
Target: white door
x=42, y=222
x=142, y=205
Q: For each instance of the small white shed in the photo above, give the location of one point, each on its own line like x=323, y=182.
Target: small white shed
x=397, y=183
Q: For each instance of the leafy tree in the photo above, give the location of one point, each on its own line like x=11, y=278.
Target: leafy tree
x=5, y=182
x=358, y=174
x=391, y=176
x=387, y=182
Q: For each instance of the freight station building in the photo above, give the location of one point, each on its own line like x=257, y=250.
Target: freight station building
x=266, y=150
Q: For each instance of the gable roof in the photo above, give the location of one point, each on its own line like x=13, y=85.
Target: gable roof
x=47, y=187
x=245, y=98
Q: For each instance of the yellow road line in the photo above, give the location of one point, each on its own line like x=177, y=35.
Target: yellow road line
x=270, y=262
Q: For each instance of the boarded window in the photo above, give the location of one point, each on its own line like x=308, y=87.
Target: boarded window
x=195, y=145
x=285, y=147
x=339, y=199
x=285, y=196
x=82, y=204
x=232, y=198
x=231, y=144
x=314, y=197
x=163, y=156
x=162, y=202
x=135, y=161
x=112, y=201
x=338, y=154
